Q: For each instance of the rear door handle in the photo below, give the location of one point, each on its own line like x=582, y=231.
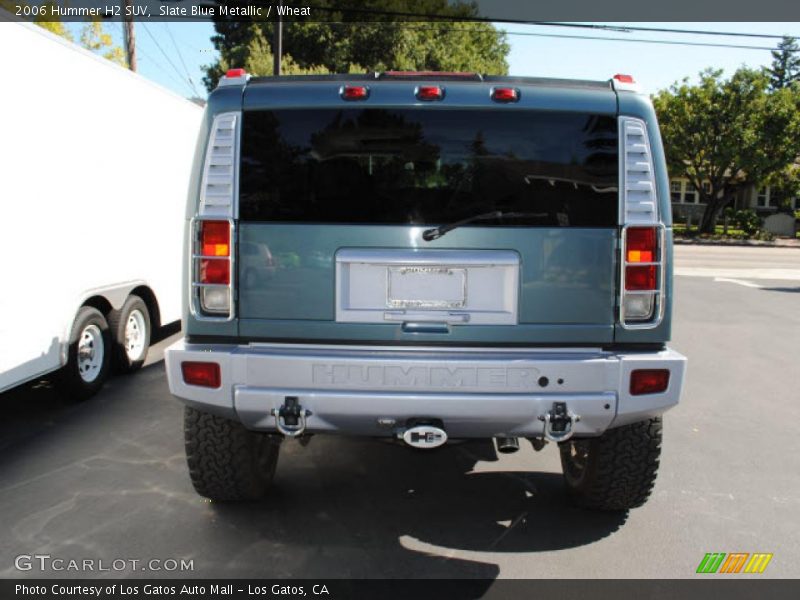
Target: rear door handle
x=407, y=316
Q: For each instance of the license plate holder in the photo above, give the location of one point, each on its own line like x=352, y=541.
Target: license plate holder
x=426, y=287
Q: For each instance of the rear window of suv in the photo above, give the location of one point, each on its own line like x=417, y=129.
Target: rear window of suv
x=429, y=166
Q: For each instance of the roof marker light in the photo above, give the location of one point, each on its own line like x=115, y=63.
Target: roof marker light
x=354, y=92
x=505, y=95
x=429, y=92
x=234, y=73
x=624, y=78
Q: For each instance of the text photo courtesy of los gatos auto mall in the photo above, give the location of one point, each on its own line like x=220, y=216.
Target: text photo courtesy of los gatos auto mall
x=356, y=299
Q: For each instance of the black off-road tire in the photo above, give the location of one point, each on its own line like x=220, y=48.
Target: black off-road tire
x=68, y=380
x=616, y=471
x=226, y=461
x=117, y=321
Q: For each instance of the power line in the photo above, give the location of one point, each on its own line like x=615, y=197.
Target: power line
x=623, y=28
x=588, y=37
x=472, y=18
x=153, y=60
x=166, y=56
x=573, y=37
x=180, y=57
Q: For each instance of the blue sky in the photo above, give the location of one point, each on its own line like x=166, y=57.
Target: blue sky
x=173, y=53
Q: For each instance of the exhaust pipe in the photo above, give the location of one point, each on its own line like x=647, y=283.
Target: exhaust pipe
x=507, y=445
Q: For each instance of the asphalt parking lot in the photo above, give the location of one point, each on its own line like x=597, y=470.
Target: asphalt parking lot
x=106, y=479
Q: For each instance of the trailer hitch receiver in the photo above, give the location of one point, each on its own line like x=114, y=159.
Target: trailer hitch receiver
x=290, y=419
x=558, y=422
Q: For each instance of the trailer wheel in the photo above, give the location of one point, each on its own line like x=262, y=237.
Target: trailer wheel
x=228, y=462
x=615, y=471
x=88, y=356
x=130, y=329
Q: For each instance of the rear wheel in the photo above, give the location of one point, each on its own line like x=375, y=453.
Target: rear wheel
x=88, y=356
x=226, y=461
x=615, y=471
x=130, y=327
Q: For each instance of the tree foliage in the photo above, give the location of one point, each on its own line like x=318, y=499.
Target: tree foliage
x=360, y=42
x=728, y=133
x=94, y=38
x=785, y=68
x=92, y=35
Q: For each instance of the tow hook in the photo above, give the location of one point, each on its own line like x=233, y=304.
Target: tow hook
x=293, y=417
x=558, y=422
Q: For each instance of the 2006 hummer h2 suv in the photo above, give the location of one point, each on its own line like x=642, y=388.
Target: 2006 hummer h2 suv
x=428, y=257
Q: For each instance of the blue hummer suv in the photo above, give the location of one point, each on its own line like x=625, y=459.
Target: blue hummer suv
x=428, y=257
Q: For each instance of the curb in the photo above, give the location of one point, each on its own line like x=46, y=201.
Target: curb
x=746, y=243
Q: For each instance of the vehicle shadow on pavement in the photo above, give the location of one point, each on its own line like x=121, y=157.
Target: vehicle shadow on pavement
x=791, y=290
x=410, y=512
x=107, y=478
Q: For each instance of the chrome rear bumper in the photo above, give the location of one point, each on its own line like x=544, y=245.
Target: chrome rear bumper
x=473, y=392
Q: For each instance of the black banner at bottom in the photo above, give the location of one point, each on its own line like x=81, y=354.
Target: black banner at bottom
x=406, y=589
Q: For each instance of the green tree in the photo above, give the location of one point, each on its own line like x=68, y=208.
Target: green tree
x=728, y=133
x=94, y=38
x=785, y=68
x=354, y=42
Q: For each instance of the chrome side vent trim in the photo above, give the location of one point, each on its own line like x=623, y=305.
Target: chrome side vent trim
x=218, y=190
x=639, y=202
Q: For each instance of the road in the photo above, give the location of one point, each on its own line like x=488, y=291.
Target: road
x=106, y=479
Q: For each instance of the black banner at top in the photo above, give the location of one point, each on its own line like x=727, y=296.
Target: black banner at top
x=498, y=11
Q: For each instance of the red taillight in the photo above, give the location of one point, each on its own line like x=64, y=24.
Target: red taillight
x=215, y=238
x=204, y=374
x=640, y=245
x=649, y=381
x=215, y=271
x=505, y=94
x=624, y=78
x=640, y=278
x=233, y=73
x=430, y=92
x=355, y=92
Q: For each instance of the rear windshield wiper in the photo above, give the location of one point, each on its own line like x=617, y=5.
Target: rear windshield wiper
x=435, y=233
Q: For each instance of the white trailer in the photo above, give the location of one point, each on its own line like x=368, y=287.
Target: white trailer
x=94, y=167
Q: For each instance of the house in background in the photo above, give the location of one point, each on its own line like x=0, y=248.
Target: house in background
x=686, y=202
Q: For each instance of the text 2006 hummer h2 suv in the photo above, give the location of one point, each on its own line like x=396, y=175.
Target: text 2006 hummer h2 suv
x=428, y=257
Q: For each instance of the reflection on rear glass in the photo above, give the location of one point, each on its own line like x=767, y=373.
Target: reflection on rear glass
x=420, y=167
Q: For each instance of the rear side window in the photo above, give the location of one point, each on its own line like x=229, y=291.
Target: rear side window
x=429, y=166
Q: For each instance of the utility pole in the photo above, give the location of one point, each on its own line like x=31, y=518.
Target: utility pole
x=130, y=37
x=277, y=43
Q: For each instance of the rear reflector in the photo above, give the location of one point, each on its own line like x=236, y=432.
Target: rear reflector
x=649, y=381
x=204, y=374
x=640, y=278
x=215, y=237
x=640, y=244
x=430, y=92
x=505, y=94
x=355, y=92
x=215, y=271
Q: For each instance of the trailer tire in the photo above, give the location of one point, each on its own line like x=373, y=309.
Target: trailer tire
x=88, y=356
x=228, y=462
x=131, y=331
x=616, y=471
